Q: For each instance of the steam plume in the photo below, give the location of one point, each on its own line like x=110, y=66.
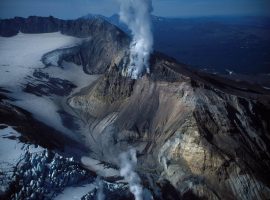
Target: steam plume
x=128, y=161
x=137, y=15
x=100, y=194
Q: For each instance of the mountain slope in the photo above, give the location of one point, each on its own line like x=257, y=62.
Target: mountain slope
x=207, y=140
x=197, y=135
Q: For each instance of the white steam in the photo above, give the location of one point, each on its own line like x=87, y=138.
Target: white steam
x=128, y=162
x=137, y=15
x=100, y=193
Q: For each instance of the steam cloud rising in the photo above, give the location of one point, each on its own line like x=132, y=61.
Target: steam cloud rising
x=100, y=194
x=128, y=162
x=137, y=15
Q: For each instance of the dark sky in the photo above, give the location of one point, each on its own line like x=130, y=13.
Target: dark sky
x=170, y=8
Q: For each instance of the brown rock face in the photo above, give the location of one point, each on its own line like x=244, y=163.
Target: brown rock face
x=208, y=141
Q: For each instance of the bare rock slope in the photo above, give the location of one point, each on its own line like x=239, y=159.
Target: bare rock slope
x=208, y=137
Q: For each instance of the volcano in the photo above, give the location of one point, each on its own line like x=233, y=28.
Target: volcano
x=67, y=112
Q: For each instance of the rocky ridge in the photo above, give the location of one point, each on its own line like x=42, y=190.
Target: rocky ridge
x=197, y=135
x=209, y=141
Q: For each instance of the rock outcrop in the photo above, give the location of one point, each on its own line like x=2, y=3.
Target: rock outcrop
x=209, y=139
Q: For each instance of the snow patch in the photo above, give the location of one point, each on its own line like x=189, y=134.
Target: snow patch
x=73, y=73
x=98, y=167
x=267, y=88
x=75, y=193
x=11, y=149
x=21, y=54
x=20, y=57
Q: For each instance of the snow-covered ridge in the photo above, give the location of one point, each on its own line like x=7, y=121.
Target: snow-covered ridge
x=34, y=85
x=21, y=54
x=12, y=151
x=35, y=172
